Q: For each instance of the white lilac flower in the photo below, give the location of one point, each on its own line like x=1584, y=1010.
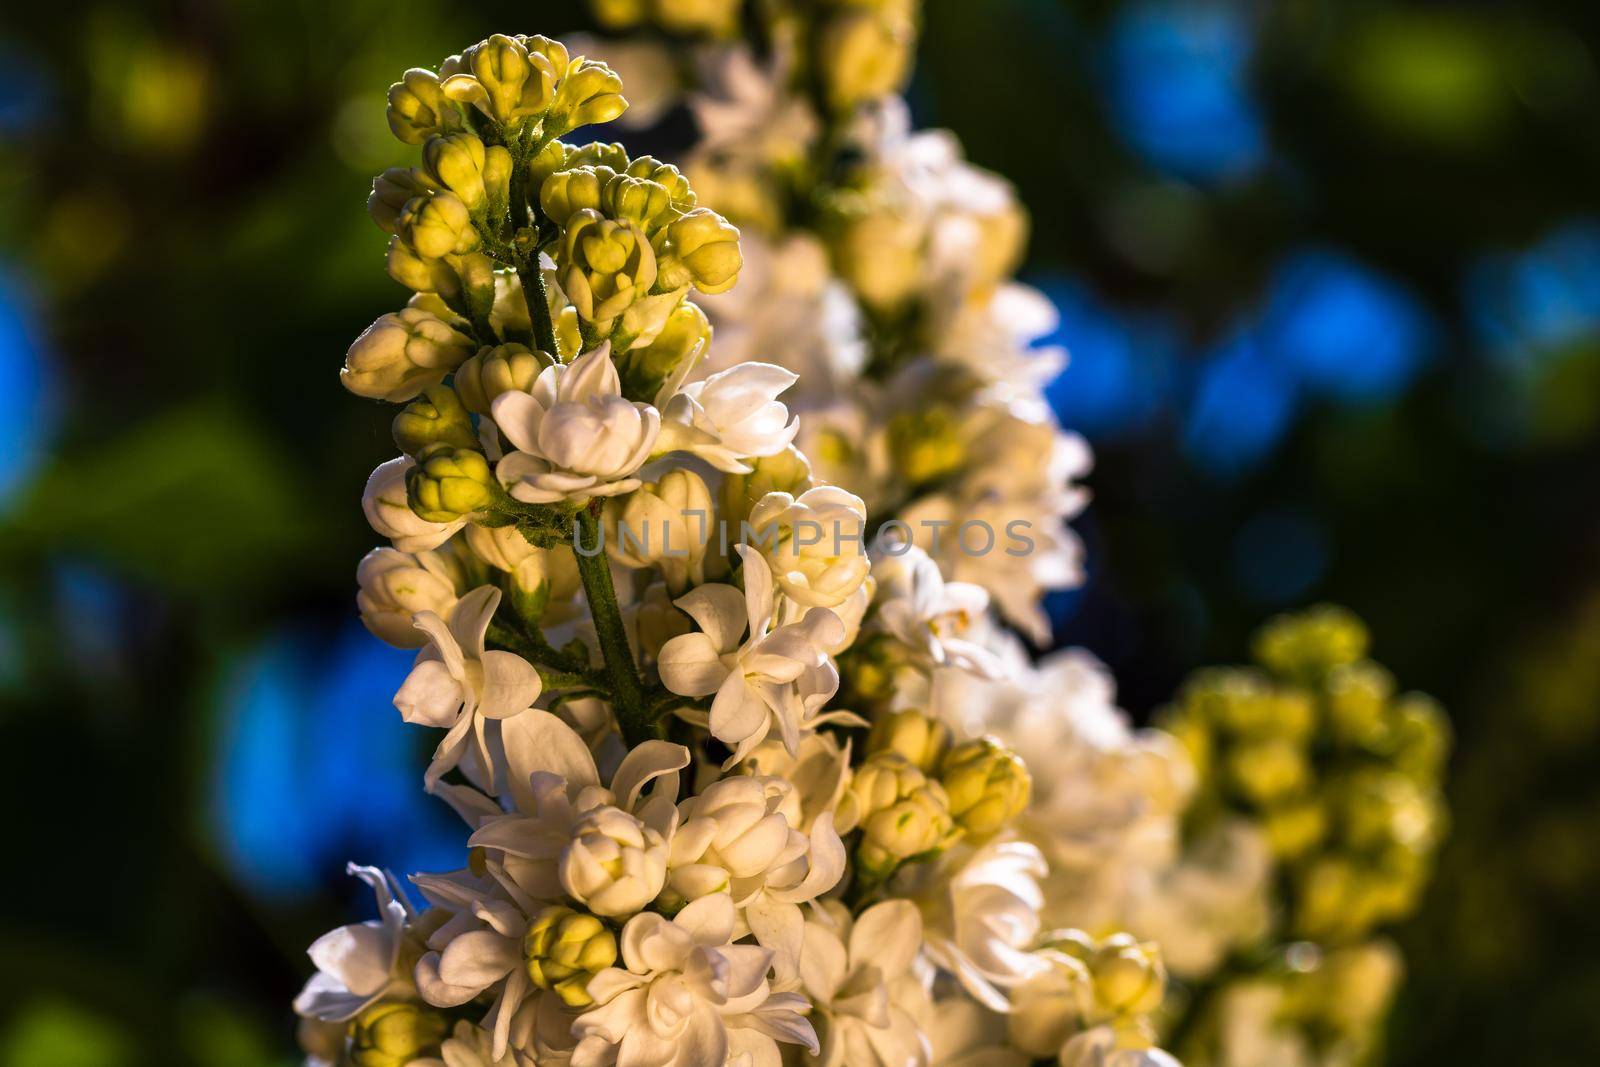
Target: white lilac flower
x=961, y=1032
x=995, y=339
x=730, y=417
x=473, y=1046
x=764, y=674
x=615, y=864
x=681, y=994
x=397, y=585
x=980, y=915
x=819, y=772
x=929, y=615
x=477, y=953
x=858, y=976
x=746, y=110
x=574, y=435
x=570, y=834
x=458, y=686
x=360, y=964
x=1209, y=900
x=388, y=509
x=740, y=836
x=814, y=543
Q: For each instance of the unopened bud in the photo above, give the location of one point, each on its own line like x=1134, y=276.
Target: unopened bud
x=920, y=739
x=418, y=107
x=565, y=949
x=703, y=250
x=436, y=417
x=987, y=783
x=437, y=225
x=389, y=1034
x=508, y=368
x=589, y=93
x=449, y=483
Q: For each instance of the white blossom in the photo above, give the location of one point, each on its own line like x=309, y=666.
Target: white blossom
x=574, y=435
x=731, y=417
x=458, y=686
x=397, y=585
x=681, y=993
x=980, y=915
x=814, y=543
x=858, y=975
x=389, y=511
x=360, y=964
x=930, y=616
x=764, y=674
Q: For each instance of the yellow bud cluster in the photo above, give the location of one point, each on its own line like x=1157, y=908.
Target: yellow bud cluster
x=391, y=1034
x=901, y=812
x=564, y=949
x=1340, y=773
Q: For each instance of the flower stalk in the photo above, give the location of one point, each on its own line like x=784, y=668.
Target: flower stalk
x=627, y=692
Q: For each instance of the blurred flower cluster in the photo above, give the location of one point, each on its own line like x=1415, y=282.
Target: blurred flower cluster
x=1314, y=755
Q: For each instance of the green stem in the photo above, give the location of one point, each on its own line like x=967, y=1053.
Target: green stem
x=538, y=301
x=627, y=692
x=555, y=670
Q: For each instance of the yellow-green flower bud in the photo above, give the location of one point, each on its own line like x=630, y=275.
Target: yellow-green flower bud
x=460, y=163
x=401, y=353
x=1129, y=977
x=554, y=52
x=611, y=155
x=920, y=739
x=880, y=254
x=417, y=272
x=619, y=14
x=901, y=813
x=718, y=18
x=926, y=445
x=590, y=93
x=701, y=249
x=418, y=107
x=565, y=949
x=551, y=159
x=987, y=783
x=437, y=225
x=436, y=417
x=503, y=79
x=1268, y=771
x=1306, y=646
x=508, y=368
x=664, y=524
x=1383, y=808
x=668, y=177
x=683, y=339
x=864, y=54
x=784, y=472
x=638, y=200
x=607, y=265
x=1295, y=829
x=1358, y=696
x=569, y=191
x=449, y=483
x=392, y=191
x=389, y=1034
x=1420, y=735
x=497, y=168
